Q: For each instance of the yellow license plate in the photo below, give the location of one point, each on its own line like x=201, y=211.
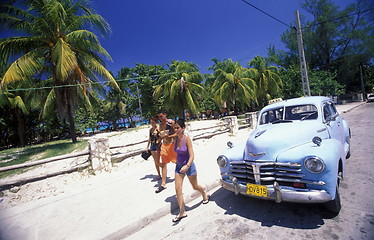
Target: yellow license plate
x=257, y=190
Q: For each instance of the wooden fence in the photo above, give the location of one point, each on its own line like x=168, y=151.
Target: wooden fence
x=96, y=154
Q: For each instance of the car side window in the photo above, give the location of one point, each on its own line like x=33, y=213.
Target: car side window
x=271, y=116
x=333, y=109
x=329, y=111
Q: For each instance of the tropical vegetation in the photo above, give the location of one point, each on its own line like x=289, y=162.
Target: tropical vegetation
x=54, y=83
x=58, y=47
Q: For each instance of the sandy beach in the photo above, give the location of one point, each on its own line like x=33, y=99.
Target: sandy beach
x=60, y=184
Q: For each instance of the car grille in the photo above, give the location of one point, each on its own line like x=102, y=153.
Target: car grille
x=265, y=172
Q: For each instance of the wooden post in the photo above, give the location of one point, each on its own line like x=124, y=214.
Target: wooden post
x=100, y=156
x=253, y=116
x=304, y=72
x=233, y=124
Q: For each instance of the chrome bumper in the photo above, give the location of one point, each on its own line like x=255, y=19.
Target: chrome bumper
x=280, y=194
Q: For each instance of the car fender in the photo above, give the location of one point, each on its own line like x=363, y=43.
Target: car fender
x=236, y=153
x=329, y=151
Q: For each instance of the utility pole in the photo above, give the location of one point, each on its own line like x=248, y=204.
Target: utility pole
x=140, y=104
x=304, y=72
x=364, y=97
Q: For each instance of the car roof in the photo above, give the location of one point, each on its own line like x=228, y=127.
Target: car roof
x=315, y=100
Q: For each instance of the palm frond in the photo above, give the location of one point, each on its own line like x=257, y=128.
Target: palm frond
x=18, y=45
x=64, y=59
x=175, y=89
x=49, y=105
x=14, y=18
x=18, y=102
x=4, y=99
x=192, y=104
x=24, y=67
x=98, y=68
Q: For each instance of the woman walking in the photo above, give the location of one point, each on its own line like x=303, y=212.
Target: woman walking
x=153, y=144
x=185, y=166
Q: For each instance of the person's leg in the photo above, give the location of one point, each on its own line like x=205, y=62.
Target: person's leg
x=156, y=158
x=163, y=174
x=164, y=161
x=196, y=186
x=179, y=192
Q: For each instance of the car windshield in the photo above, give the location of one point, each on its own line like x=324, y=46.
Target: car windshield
x=289, y=114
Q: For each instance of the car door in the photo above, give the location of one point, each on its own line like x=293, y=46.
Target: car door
x=333, y=121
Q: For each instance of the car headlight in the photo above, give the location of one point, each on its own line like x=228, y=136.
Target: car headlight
x=314, y=164
x=222, y=161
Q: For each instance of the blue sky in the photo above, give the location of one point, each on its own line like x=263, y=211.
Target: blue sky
x=158, y=31
x=155, y=32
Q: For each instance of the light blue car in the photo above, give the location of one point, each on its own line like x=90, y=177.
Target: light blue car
x=297, y=153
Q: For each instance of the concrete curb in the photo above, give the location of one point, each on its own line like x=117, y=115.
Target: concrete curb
x=138, y=225
x=362, y=103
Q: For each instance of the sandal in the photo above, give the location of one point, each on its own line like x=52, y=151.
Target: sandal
x=178, y=218
x=160, y=189
x=206, y=200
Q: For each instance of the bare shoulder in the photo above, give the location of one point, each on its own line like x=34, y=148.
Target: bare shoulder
x=188, y=140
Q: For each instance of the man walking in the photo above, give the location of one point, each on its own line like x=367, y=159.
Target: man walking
x=167, y=147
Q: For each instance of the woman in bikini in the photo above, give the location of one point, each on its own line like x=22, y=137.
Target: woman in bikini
x=185, y=166
x=153, y=145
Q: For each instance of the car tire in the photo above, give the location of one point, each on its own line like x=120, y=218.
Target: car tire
x=349, y=147
x=348, y=154
x=334, y=205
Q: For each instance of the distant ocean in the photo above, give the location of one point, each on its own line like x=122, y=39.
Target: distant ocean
x=104, y=126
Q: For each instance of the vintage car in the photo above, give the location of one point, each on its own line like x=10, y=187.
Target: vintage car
x=370, y=97
x=296, y=153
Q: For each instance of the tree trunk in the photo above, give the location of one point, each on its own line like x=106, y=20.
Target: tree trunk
x=73, y=134
x=20, y=127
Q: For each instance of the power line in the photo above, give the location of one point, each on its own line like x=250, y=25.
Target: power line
x=335, y=19
x=159, y=75
x=87, y=84
x=250, y=4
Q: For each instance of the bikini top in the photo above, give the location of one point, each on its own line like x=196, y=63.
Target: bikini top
x=154, y=136
x=169, y=126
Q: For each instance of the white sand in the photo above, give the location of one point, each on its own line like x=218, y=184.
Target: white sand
x=54, y=186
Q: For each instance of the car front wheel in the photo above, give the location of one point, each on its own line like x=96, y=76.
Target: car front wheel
x=334, y=205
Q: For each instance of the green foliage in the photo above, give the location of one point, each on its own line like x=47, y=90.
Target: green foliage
x=182, y=88
x=89, y=118
x=234, y=86
x=336, y=40
x=56, y=43
x=322, y=83
x=268, y=82
x=292, y=85
x=145, y=79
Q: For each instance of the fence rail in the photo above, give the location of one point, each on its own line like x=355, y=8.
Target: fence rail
x=227, y=126
x=47, y=160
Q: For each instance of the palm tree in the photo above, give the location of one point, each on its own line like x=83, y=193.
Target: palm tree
x=267, y=79
x=19, y=102
x=233, y=85
x=181, y=88
x=57, y=44
x=115, y=103
x=17, y=105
